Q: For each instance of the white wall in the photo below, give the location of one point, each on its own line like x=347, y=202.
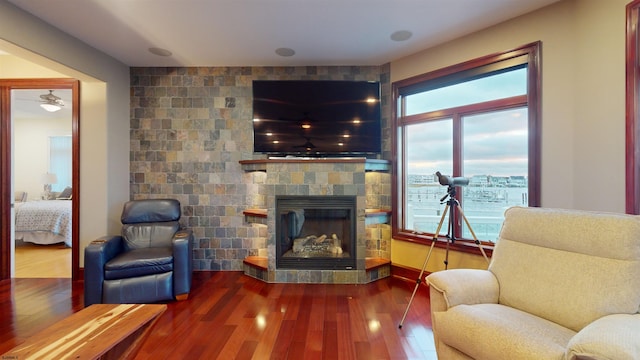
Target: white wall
x=599, y=121
x=583, y=118
x=104, y=112
x=583, y=93
x=31, y=151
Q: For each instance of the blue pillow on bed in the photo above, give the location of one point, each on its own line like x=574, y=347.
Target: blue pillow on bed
x=65, y=194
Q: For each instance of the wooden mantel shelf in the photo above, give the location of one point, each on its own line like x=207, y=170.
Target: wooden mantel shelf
x=376, y=212
x=317, y=160
x=261, y=213
x=369, y=164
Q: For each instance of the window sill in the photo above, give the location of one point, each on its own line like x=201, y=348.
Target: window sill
x=460, y=245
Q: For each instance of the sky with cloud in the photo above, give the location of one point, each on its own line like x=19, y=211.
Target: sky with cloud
x=494, y=143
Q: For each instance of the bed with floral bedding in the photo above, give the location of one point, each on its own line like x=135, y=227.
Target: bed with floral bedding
x=44, y=222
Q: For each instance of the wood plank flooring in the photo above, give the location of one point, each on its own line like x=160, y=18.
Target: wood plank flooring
x=232, y=316
x=42, y=261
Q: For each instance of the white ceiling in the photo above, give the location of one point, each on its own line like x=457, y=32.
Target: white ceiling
x=25, y=104
x=247, y=32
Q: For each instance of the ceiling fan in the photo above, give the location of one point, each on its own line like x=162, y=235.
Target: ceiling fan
x=305, y=122
x=51, y=102
x=308, y=145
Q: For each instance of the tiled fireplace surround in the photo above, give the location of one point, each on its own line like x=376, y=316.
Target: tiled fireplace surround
x=191, y=127
x=367, y=180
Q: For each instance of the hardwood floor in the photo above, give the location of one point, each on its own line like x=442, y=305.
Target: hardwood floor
x=42, y=261
x=232, y=316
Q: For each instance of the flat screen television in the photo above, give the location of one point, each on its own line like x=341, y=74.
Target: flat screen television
x=316, y=118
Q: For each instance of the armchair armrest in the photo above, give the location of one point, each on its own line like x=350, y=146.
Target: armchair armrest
x=610, y=337
x=96, y=254
x=182, y=262
x=462, y=286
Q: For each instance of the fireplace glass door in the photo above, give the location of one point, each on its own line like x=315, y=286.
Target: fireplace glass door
x=315, y=232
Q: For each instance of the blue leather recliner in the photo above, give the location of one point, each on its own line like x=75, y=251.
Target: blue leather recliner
x=151, y=261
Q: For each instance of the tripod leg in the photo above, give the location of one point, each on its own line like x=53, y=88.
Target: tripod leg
x=450, y=233
x=473, y=233
x=424, y=265
x=446, y=256
x=444, y=213
x=418, y=281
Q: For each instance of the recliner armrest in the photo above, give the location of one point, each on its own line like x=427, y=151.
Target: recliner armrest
x=465, y=286
x=96, y=254
x=182, y=261
x=610, y=337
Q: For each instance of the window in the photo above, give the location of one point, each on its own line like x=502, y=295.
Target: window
x=478, y=120
x=60, y=161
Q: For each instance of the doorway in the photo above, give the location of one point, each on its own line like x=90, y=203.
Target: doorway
x=48, y=214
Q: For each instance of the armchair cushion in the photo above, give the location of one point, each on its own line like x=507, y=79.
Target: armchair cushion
x=182, y=261
x=143, y=289
x=139, y=262
x=564, y=254
x=484, y=330
x=137, y=236
x=96, y=255
x=150, y=211
x=465, y=286
x=610, y=337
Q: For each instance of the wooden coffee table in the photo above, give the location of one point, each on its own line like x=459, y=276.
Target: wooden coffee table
x=100, y=331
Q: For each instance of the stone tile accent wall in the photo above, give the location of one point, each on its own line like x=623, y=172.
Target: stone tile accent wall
x=378, y=196
x=191, y=126
x=312, y=179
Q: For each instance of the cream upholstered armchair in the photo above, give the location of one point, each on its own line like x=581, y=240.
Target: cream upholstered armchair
x=562, y=284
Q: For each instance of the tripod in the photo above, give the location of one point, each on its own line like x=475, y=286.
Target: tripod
x=453, y=205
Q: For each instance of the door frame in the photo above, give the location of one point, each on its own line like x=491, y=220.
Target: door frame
x=6, y=156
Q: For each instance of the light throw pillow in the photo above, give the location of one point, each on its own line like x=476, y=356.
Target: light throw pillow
x=65, y=194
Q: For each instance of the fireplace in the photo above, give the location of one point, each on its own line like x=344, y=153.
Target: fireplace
x=316, y=232
x=314, y=199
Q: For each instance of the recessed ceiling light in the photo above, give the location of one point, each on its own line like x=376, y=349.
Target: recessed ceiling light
x=160, y=51
x=401, y=35
x=286, y=52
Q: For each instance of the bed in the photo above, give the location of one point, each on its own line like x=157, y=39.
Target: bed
x=44, y=222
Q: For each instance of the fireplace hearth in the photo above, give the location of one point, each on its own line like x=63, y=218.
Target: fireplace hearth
x=316, y=232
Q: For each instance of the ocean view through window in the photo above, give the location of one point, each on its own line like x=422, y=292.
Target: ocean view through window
x=497, y=178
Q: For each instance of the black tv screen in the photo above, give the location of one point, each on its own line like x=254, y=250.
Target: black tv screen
x=316, y=118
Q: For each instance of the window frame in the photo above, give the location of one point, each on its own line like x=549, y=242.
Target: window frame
x=61, y=165
x=529, y=54
x=632, y=116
